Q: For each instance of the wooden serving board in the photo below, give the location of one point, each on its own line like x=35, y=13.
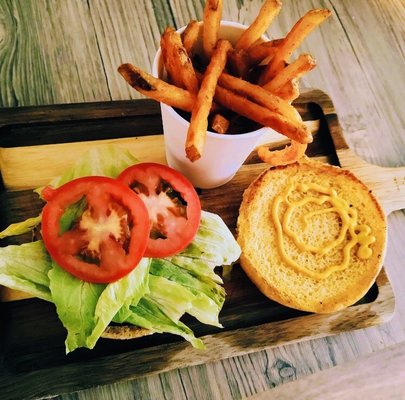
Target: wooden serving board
x=39, y=142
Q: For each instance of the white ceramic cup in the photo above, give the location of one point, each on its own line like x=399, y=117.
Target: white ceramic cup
x=223, y=154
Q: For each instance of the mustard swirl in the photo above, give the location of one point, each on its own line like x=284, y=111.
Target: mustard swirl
x=359, y=234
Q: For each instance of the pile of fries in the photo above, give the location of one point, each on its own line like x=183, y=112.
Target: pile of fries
x=253, y=78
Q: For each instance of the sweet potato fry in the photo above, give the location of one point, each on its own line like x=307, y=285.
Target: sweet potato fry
x=260, y=96
x=269, y=10
x=303, y=27
x=220, y=124
x=304, y=63
x=190, y=36
x=167, y=57
x=290, y=91
x=262, y=115
x=288, y=155
x=177, y=61
x=211, y=22
x=197, y=130
x=239, y=63
x=262, y=51
x=156, y=88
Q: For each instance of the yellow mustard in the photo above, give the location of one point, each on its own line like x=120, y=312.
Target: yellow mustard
x=359, y=234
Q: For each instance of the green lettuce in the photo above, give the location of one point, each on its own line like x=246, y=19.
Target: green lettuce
x=105, y=160
x=147, y=314
x=166, y=269
x=176, y=300
x=75, y=302
x=127, y=291
x=155, y=295
x=20, y=228
x=215, y=243
x=25, y=267
x=86, y=309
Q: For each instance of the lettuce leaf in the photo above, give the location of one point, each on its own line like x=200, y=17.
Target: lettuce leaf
x=166, y=269
x=147, y=314
x=105, y=160
x=75, y=302
x=25, y=267
x=176, y=300
x=86, y=309
x=204, y=270
x=155, y=295
x=20, y=228
x=214, y=243
x=120, y=294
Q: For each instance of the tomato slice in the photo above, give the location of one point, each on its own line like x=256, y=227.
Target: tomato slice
x=95, y=227
x=173, y=205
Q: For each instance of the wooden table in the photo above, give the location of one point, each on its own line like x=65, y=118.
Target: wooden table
x=68, y=51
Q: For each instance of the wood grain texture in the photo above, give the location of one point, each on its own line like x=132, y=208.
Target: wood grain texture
x=16, y=162
x=166, y=357
x=360, y=54
x=344, y=381
x=251, y=322
x=387, y=184
x=49, y=53
x=16, y=159
x=127, y=31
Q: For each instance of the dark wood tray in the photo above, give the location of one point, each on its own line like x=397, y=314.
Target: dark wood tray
x=33, y=360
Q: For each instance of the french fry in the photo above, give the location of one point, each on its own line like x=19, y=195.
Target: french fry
x=262, y=115
x=303, y=27
x=197, y=130
x=206, y=91
x=260, y=96
x=157, y=89
x=262, y=51
x=267, y=13
x=168, y=60
x=220, y=124
x=288, y=155
x=190, y=36
x=211, y=22
x=303, y=64
x=177, y=61
x=290, y=91
x=239, y=63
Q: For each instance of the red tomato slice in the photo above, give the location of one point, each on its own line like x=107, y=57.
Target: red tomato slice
x=173, y=205
x=109, y=232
